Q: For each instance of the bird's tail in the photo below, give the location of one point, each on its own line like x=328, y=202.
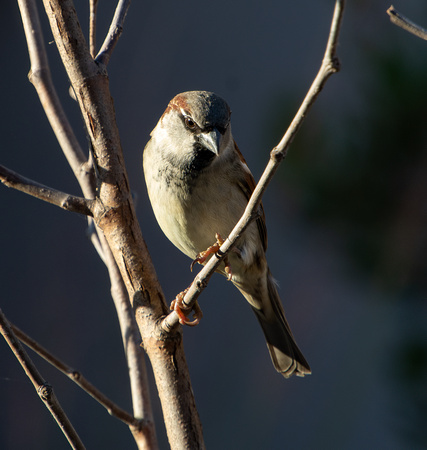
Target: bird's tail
x=287, y=357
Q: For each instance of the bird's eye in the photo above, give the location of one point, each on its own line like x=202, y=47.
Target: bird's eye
x=189, y=123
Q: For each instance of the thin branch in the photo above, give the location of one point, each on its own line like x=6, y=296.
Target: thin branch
x=92, y=234
x=77, y=377
x=93, y=5
x=44, y=390
x=65, y=201
x=114, y=33
x=403, y=22
x=330, y=65
x=41, y=78
x=135, y=355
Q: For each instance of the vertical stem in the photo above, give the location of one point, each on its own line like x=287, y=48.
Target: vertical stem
x=93, y=5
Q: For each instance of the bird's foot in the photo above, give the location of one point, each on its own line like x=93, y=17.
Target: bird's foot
x=203, y=256
x=184, y=311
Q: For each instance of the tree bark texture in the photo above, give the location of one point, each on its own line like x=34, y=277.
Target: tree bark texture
x=114, y=214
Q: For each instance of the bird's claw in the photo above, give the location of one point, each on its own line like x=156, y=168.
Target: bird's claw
x=183, y=311
x=227, y=269
x=203, y=256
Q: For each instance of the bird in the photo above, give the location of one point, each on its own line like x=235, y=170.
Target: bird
x=199, y=184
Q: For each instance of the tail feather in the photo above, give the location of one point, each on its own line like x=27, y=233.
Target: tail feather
x=285, y=354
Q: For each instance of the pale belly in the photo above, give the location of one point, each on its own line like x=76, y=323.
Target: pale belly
x=191, y=225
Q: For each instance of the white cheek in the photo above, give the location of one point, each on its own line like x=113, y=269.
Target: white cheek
x=160, y=133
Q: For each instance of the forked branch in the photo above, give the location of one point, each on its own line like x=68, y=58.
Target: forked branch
x=116, y=29
x=78, y=378
x=44, y=389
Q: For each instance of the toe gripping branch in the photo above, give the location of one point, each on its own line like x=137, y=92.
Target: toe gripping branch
x=214, y=249
x=177, y=304
x=183, y=311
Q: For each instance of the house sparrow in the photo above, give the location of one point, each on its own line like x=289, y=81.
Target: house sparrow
x=199, y=185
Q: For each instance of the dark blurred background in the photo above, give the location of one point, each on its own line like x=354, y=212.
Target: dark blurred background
x=346, y=215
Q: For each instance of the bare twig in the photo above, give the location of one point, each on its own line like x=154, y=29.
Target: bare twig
x=44, y=390
x=92, y=234
x=66, y=201
x=93, y=4
x=135, y=355
x=403, y=22
x=40, y=77
x=77, y=377
x=330, y=65
x=116, y=29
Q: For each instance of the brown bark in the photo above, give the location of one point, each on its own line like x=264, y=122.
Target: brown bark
x=115, y=215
